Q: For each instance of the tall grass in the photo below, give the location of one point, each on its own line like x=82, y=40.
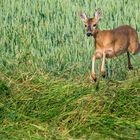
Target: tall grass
x=48, y=36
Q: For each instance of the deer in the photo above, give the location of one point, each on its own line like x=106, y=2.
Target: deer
x=110, y=43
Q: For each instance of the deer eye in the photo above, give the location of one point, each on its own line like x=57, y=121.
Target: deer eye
x=85, y=25
x=94, y=25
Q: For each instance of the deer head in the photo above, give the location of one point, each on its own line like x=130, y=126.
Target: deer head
x=91, y=23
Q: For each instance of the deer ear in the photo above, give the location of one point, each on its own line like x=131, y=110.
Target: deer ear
x=98, y=14
x=83, y=16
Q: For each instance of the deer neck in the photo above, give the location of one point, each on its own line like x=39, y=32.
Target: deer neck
x=96, y=33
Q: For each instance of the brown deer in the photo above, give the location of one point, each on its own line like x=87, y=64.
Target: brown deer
x=110, y=43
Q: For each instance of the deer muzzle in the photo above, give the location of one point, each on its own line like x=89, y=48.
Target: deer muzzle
x=89, y=33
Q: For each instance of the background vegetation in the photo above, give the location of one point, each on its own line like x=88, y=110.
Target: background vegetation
x=45, y=62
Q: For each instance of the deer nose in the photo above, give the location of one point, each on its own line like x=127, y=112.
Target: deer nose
x=89, y=34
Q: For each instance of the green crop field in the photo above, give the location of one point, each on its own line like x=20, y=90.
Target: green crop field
x=45, y=62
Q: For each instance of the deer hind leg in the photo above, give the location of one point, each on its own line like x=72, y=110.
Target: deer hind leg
x=138, y=49
x=129, y=62
x=134, y=47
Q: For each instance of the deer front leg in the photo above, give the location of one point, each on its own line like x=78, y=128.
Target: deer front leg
x=93, y=74
x=97, y=55
x=102, y=68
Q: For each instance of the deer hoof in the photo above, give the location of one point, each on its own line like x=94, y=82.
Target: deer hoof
x=103, y=74
x=130, y=67
x=94, y=79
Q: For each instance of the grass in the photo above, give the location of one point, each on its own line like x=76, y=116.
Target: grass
x=45, y=63
x=44, y=107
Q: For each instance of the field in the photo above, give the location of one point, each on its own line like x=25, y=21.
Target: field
x=45, y=64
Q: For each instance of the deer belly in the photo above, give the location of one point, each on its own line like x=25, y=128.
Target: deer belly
x=110, y=53
x=120, y=48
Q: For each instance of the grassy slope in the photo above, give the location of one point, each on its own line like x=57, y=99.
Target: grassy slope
x=44, y=107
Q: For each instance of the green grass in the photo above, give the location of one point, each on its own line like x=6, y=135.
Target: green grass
x=45, y=64
x=44, y=107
